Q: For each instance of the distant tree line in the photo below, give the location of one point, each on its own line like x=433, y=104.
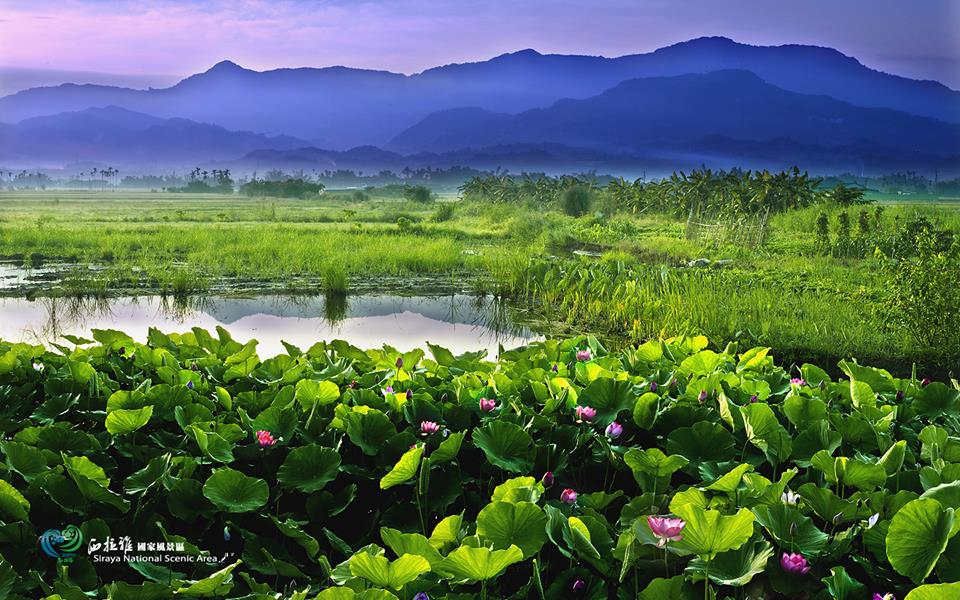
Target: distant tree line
x=703, y=192
x=284, y=188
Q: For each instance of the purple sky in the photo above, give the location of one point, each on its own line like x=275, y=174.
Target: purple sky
x=917, y=38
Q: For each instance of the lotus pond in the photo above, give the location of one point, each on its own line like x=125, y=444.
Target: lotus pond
x=189, y=466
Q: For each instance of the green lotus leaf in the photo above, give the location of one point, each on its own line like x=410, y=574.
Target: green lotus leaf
x=709, y=532
x=791, y=529
x=935, y=591
x=917, y=536
x=448, y=448
x=405, y=468
x=384, y=573
x=843, y=587
x=518, y=489
x=310, y=393
x=504, y=524
x=506, y=445
x=121, y=420
x=654, y=462
x=410, y=543
x=232, y=491
x=468, y=564
x=735, y=567
x=309, y=468
x=216, y=584
x=369, y=430
x=702, y=442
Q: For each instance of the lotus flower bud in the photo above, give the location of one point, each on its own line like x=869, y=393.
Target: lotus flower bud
x=794, y=563
x=547, y=479
x=265, y=439
x=579, y=586
x=568, y=496
x=429, y=427
x=614, y=430
x=586, y=413
x=653, y=387
x=487, y=404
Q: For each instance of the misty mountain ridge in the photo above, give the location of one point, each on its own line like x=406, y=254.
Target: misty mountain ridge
x=667, y=111
x=341, y=107
x=115, y=134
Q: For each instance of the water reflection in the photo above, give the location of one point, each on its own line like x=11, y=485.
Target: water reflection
x=459, y=322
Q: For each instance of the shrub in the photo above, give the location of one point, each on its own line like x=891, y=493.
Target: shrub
x=418, y=193
x=925, y=292
x=576, y=200
x=443, y=213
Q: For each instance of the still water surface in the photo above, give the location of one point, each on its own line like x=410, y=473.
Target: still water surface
x=458, y=322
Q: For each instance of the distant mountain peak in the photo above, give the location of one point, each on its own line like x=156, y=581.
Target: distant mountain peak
x=226, y=66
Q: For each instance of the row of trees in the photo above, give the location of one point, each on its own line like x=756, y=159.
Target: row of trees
x=700, y=193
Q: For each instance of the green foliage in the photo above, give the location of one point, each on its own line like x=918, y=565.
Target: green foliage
x=924, y=291
x=463, y=511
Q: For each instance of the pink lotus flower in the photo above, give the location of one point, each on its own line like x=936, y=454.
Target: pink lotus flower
x=887, y=596
x=666, y=529
x=614, y=430
x=794, y=563
x=702, y=397
x=429, y=427
x=487, y=404
x=798, y=381
x=925, y=382
x=547, y=479
x=583, y=355
x=586, y=413
x=388, y=390
x=265, y=439
x=568, y=496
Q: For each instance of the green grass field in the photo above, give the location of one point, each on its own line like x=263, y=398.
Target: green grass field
x=782, y=294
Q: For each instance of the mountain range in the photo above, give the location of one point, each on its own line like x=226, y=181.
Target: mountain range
x=700, y=100
x=117, y=135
